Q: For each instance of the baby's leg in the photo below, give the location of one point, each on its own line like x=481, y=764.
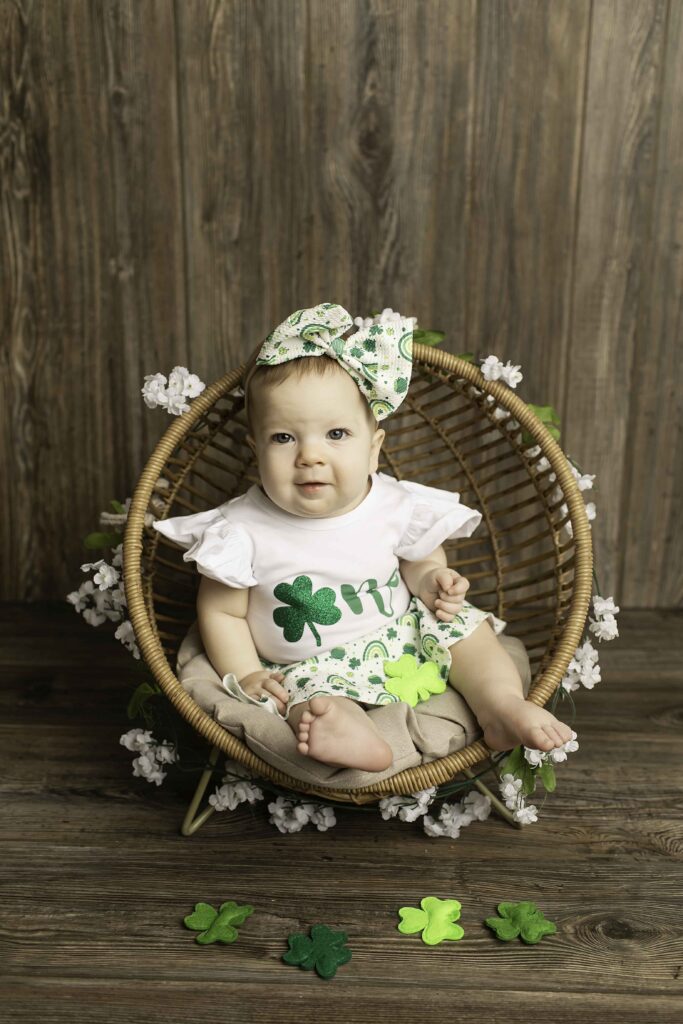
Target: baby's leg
x=337, y=731
x=486, y=676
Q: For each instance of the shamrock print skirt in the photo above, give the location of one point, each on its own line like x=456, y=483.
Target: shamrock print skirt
x=408, y=659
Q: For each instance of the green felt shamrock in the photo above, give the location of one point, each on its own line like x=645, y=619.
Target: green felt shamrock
x=306, y=608
x=521, y=919
x=413, y=683
x=435, y=920
x=325, y=950
x=217, y=925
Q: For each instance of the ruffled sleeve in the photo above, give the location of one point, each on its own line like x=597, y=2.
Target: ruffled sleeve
x=222, y=550
x=434, y=516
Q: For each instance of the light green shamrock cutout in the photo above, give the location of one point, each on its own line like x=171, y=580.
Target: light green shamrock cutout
x=435, y=920
x=306, y=609
x=413, y=683
x=523, y=919
x=217, y=925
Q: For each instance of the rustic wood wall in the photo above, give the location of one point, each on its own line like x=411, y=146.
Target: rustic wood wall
x=177, y=177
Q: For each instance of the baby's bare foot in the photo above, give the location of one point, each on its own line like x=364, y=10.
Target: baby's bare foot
x=517, y=721
x=337, y=731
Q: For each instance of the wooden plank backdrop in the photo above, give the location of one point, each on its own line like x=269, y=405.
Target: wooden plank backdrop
x=176, y=178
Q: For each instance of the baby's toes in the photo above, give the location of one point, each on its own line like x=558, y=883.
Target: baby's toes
x=539, y=739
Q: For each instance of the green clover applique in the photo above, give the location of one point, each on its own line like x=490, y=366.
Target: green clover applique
x=523, y=919
x=325, y=950
x=410, y=682
x=217, y=925
x=306, y=608
x=435, y=920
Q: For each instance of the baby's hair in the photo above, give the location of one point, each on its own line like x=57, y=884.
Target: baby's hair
x=271, y=376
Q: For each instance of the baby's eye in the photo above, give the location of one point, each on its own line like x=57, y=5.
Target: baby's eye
x=276, y=436
x=338, y=430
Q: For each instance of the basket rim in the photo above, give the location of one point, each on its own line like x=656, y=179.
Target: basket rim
x=421, y=776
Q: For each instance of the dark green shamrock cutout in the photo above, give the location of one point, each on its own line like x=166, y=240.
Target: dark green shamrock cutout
x=325, y=950
x=306, y=608
x=522, y=919
x=436, y=920
x=217, y=925
x=412, y=682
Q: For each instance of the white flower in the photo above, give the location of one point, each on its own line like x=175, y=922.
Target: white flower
x=181, y=384
x=166, y=752
x=492, y=368
x=389, y=806
x=509, y=787
x=583, y=668
x=137, y=739
x=146, y=767
x=433, y=828
x=511, y=374
x=387, y=316
x=181, y=381
x=176, y=404
x=126, y=635
x=534, y=757
x=605, y=628
x=478, y=804
x=407, y=810
x=604, y=605
x=231, y=794
x=93, y=618
x=526, y=815
x=154, y=390
x=323, y=817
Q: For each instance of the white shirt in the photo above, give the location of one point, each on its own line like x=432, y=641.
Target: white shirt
x=316, y=583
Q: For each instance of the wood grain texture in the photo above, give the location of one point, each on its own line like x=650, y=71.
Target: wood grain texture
x=177, y=176
x=96, y=878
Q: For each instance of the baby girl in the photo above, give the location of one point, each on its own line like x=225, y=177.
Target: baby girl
x=325, y=589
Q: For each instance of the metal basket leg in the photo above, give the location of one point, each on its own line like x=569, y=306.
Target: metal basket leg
x=192, y=823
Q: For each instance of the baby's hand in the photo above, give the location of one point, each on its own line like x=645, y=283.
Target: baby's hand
x=443, y=591
x=263, y=682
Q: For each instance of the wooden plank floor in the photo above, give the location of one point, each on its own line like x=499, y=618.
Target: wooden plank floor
x=96, y=877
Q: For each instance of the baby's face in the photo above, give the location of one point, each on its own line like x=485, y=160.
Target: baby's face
x=314, y=429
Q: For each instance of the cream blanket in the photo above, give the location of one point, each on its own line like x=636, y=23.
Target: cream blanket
x=433, y=729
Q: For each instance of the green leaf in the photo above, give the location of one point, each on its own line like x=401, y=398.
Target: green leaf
x=513, y=762
x=102, y=540
x=548, y=417
x=428, y=337
x=140, y=696
x=118, y=507
x=528, y=777
x=467, y=357
x=547, y=773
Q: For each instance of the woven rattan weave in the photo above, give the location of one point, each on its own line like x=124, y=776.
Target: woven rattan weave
x=523, y=563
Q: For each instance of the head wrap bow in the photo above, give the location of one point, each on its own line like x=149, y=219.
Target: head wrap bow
x=379, y=357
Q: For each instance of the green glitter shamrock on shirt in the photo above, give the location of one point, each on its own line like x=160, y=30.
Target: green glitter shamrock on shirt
x=305, y=608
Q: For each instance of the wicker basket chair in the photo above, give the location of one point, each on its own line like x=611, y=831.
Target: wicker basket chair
x=454, y=430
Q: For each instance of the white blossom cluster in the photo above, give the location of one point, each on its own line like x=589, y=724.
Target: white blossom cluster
x=493, y=369
x=584, y=669
x=151, y=754
x=511, y=787
x=171, y=394
x=102, y=598
x=452, y=817
x=584, y=482
x=236, y=788
x=387, y=316
x=407, y=809
x=555, y=756
x=290, y=816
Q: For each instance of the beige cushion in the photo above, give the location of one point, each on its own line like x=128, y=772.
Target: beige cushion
x=432, y=729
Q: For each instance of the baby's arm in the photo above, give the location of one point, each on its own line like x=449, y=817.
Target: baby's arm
x=441, y=589
x=227, y=639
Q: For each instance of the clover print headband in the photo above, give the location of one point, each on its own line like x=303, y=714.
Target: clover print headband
x=378, y=357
